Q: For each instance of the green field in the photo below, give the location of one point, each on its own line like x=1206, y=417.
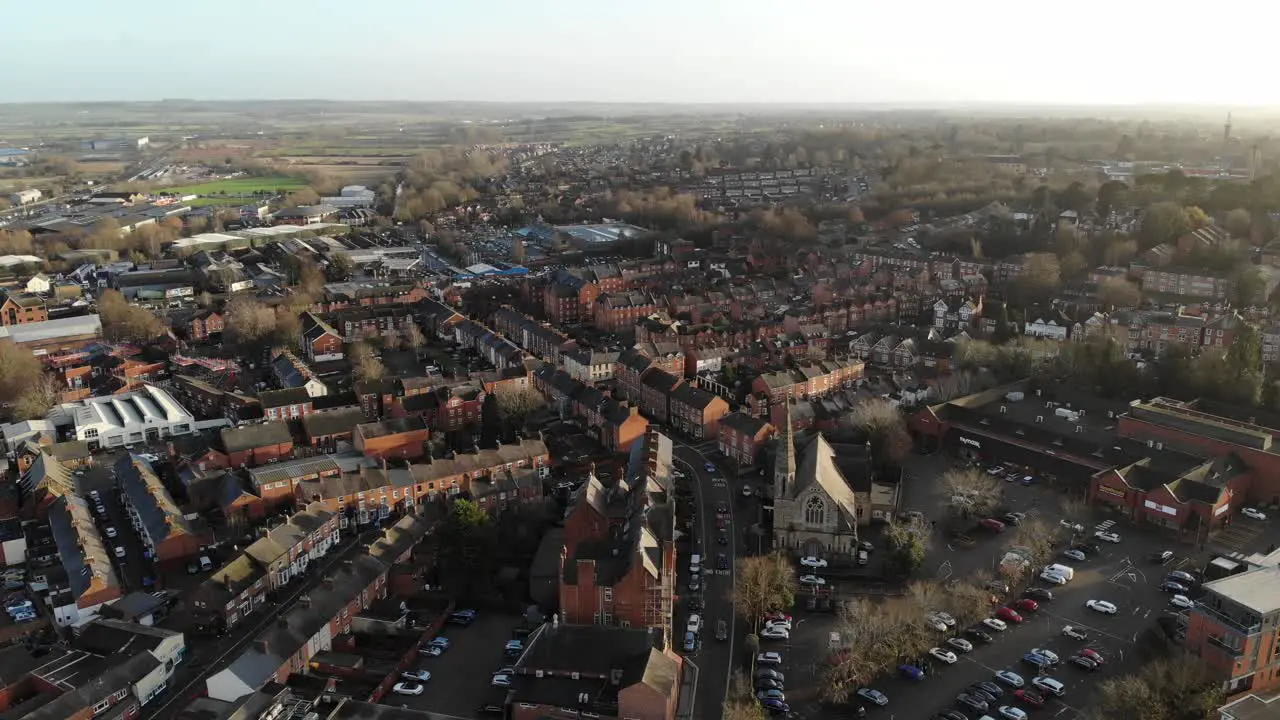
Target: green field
x=218, y=201
x=241, y=186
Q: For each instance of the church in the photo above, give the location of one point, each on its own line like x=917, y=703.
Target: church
x=815, y=509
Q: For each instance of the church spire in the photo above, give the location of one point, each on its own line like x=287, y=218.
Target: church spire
x=784, y=465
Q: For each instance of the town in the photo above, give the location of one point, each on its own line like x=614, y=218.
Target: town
x=800, y=417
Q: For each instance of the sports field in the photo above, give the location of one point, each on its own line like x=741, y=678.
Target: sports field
x=242, y=186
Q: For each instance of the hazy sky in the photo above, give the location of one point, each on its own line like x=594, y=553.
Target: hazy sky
x=817, y=51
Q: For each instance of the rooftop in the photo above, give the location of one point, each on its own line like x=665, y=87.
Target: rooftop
x=1257, y=590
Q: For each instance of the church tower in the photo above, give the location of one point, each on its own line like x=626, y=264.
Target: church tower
x=784, y=465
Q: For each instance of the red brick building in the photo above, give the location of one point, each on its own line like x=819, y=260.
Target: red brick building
x=618, y=312
x=19, y=309
x=1231, y=629
x=253, y=445
x=205, y=323
x=403, y=438
x=742, y=436
x=615, y=572
x=696, y=412
x=320, y=342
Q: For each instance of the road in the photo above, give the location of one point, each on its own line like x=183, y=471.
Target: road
x=715, y=658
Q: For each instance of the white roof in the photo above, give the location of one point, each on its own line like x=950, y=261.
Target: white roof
x=8, y=260
x=149, y=405
x=51, y=329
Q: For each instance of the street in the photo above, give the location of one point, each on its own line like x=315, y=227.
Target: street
x=715, y=658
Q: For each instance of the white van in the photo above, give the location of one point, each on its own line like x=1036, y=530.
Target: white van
x=695, y=563
x=1062, y=570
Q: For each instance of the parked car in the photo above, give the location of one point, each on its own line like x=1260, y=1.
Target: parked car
x=1009, y=712
x=988, y=687
x=1093, y=655
x=811, y=561
x=1036, y=661
x=960, y=644
x=1008, y=614
x=769, y=658
x=1074, y=554
x=1162, y=557
x=1030, y=697
x=945, y=656
x=1076, y=634
x=1085, y=663
x=911, y=672
x=1182, y=602
x=1052, y=578
x=1101, y=606
x=421, y=676
x=1107, y=537
x=407, y=688
x=767, y=674
x=1049, y=655
x=1049, y=685
x=722, y=630
x=875, y=697
x=775, y=633
x=1253, y=513
x=1182, y=578
x=944, y=618
x=995, y=624
x=1027, y=605
x=1040, y=594
x=979, y=635
x=812, y=580
x=767, y=684
x=1010, y=678
x=971, y=702
x=1170, y=586
x=501, y=680
x=992, y=524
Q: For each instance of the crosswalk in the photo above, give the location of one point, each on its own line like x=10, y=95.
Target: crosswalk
x=1237, y=536
x=1104, y=526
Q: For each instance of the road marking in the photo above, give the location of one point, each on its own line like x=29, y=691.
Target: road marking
x=1078, y=624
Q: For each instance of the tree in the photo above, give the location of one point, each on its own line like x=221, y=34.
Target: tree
x=303, y=196
x=906, y=545
x=1118, y=250
x=365, y=364
x=1117, y=292
x=36, y=398
x=123, y=321
x=1163, y=222
x=516, y=404
x=1038, y=278
x=517, y=251
x=340, y=266
x=1250, y=284
x=1112, y=195
x=19, y=372
x=1239, y=223
x=1178, y=687
x=763, y=584
x=743, y=709
x=1036, y=539
x=874, y=637
x=249, y=321
x=467, y=541
x=885, y=429
x=490, y=421
x=414, y=338
x=1197, y=218
x=971, y=492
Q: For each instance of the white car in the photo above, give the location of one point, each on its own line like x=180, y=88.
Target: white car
x=961, y=644
x=812, y=580
x=431, y=651
x=416, y=675
x=784, y=624
x=995, y=624
x=1074, y=554
x=945, y=656
x=769, y=658
x=811, y=561
x=120, y=551
x=775, y=633
x=1053, y=577
x=873, y=696
x=945, y=618
x=111, y=532
x=1254, y=513
x=1009, y=712
x=695, y=623
x=1101, y=606
x=407, y=688
x=1181, y=601
x=1107, y=536
x=934, y=623
x=746, y=491
x=1073, y=633
x=1046, y=654
x=501, y=680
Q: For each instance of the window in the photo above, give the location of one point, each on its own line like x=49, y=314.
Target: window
x=119, y=694
x=815, y=511
x=102, y=706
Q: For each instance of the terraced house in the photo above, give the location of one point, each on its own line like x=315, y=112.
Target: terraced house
x=166, y=533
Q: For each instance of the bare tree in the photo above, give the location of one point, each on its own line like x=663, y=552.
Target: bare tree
x=364, y=364
x=518, y=403
x=971, y=492
x=763, y=584
x=885, y=429
x=1037, y=539
x=1177, y=687
x=873, y=638
x=414, y=338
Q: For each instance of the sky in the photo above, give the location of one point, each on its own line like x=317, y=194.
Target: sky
x=1087, y=52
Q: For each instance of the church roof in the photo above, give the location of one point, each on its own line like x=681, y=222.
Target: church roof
x=818, y=467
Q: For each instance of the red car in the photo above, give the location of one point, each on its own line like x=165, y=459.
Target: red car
x=1008, y=614
x=1029, y=697
x=992, y=524
x=777, y=616
x=1027, y=605
x=1093, y=655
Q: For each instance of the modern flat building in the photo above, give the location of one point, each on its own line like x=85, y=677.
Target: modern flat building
x=1235, y=629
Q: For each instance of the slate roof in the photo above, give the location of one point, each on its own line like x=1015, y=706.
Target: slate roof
x=143, y=489
x=336, y=422
x=248, y=437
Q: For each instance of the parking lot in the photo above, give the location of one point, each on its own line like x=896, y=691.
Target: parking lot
x=460, y=678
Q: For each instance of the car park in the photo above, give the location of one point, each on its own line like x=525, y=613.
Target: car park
x=1010, y=678
x=407, y=688
x=1107, y=537
x=1101, y=606
x=945, y=656
x=811, y=561
x=875, y=697
x=960, y=644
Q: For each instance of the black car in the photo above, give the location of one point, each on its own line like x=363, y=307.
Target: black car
x=722, y=630
x=722, y=538
x=988, y=687
x=1170, y=586
x=722, y=562
x=767, y=674
x=948, y=715
x=491, y=709
x=972, y=702
x=1084, y=662
x=1041, y=594
x=979, y=635
x=1010, y=519
x=982, y=695
x=1088, y=547
x=767, y=684
x=695, y=602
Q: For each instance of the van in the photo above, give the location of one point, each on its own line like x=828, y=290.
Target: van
x=1062, y=570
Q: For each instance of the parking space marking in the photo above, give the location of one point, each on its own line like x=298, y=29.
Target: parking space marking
x=984, y=666
x=1076, y=623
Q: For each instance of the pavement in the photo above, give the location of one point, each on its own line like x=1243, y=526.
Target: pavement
x=714, y=658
